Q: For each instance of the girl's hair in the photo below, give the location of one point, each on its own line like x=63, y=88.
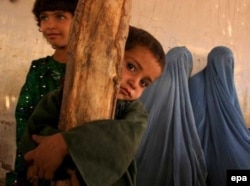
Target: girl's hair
x=137, y=36
x=52, y=5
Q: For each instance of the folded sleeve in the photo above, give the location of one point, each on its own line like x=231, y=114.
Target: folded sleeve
x=103, y=150
x=43, y=121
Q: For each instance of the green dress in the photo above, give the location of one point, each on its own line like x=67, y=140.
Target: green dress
x=45, y=74
x=103, y=151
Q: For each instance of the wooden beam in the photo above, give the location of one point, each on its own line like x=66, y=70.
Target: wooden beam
x=96, y=48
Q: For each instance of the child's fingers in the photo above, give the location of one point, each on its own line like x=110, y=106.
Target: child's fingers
x=41, y=173
x=73, y=178
x=32, y=174
x=49, y=174
x=38, y=139
x=29, y=156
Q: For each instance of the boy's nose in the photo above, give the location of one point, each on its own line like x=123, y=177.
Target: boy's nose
x=51, y=23
x=134, y=82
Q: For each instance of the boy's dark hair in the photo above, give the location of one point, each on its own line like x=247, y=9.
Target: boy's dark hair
x=137, y=36
x=52, y=5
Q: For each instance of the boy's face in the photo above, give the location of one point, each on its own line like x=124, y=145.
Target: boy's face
x=55, y=26
x=139, y=69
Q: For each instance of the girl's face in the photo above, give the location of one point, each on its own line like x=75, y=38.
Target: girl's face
x=55, y=26
x=139, y=69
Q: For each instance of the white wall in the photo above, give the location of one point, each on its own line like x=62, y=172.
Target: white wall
x=202, y=25
x=199, y=25
x=20, y=42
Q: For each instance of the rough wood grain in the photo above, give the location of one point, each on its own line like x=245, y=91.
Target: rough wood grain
x=96, y=49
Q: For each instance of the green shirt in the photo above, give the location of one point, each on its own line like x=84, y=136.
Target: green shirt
x=44, y=75
x=103, y=150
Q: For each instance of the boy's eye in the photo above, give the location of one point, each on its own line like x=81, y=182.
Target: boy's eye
x=43, y=17
x=131, y=67
x=60, y=16
x=144, y=83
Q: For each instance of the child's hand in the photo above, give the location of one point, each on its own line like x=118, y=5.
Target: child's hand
x=47, y=157
x=73, y=178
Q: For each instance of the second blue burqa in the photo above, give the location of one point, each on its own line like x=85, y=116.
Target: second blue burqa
x=170, y=152
x=222, y=130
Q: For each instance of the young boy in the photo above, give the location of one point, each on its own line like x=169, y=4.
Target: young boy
x=102, y=151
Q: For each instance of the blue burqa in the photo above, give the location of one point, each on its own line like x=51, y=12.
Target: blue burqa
x=222, y=130
x=170, y=153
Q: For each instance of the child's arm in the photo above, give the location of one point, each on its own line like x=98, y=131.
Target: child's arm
x=43, y=121
x=103, y=150
x=47, y=157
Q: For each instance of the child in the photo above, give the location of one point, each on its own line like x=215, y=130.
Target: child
x=177, y=158
x=45, y=74
x=102, y=151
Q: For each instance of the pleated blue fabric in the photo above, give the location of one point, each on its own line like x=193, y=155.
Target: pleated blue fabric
x=222, y=130
x=170, y=153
